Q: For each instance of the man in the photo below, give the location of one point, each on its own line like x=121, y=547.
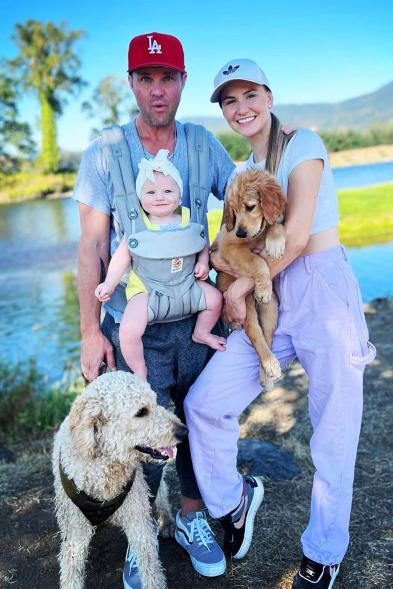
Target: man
x=156, y=75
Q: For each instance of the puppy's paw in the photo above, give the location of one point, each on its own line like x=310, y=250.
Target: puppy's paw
x=269, y=372
x=235, y=326
x=272, y=367
x=275, y=248
x=266, y=381
x=263, y=294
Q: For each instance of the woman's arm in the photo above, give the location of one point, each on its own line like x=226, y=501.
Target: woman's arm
x=303, y=189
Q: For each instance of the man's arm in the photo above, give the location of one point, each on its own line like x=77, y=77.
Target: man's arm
x=93, y=247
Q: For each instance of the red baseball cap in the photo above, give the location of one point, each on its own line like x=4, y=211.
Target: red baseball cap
x=155, y=49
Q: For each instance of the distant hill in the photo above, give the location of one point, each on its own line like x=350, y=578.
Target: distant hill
x=356, y=113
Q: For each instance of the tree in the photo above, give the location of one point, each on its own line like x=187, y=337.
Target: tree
x=236, y=145
x=16, y=141
x=110, y=102
x=48, y=65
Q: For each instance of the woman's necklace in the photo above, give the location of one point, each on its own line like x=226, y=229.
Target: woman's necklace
x=149, y=155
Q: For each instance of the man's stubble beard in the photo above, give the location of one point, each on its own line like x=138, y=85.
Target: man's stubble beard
x=150, y=119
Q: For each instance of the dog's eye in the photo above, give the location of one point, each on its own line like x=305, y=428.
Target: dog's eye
x=250, y=208
x=142, y=412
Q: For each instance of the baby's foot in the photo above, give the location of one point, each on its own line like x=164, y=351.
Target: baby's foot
x=214, y=341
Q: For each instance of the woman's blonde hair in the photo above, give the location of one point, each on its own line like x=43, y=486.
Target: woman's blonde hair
x=277, y=143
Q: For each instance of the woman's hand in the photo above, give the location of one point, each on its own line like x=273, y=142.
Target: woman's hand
x=219, y=265
x=235, y=299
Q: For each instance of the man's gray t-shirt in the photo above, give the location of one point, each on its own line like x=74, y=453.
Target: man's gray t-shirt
x=94, y=186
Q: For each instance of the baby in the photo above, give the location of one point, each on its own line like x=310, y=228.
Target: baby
x=159, y=188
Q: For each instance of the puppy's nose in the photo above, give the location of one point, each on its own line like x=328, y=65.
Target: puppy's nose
x=181, y=432
x=241, y=233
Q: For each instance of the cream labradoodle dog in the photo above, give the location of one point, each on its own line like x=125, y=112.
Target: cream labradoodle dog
x=112, y=426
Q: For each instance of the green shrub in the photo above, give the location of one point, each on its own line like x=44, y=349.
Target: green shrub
x=27, y=405
x=25, y=185
x=237, y=146
x=337, y=140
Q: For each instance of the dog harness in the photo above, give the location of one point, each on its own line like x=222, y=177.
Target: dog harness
x=163, y=260
x=97, y=512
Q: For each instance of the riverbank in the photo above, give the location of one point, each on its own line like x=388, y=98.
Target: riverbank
x=362, y=155
x=30, y=541
x=25, y=186
x=366, y=216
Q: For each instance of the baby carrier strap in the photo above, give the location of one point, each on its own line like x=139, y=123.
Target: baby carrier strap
x=198, y=170
x=117, y=155
x=118, y=158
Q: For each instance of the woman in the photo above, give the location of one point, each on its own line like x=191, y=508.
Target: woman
x=321, y=322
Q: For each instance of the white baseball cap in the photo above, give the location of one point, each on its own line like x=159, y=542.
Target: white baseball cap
x=238, y=69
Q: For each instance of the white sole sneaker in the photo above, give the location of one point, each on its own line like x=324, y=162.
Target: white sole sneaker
x=206, y=570
x=251, y=513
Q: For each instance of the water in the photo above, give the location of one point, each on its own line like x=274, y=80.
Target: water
x=38, y=306
x=356, y=176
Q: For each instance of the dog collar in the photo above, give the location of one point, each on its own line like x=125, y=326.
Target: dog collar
x=97, y=512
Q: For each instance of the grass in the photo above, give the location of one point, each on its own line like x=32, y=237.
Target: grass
x=30, y=541
x=366, y=216
x=31, y=185
x=27, y=405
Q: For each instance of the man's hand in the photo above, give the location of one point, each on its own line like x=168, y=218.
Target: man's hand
x=96, y=349
x=201, y=271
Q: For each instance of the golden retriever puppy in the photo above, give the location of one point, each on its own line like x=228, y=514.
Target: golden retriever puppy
x=253, y=215
x=113, y=426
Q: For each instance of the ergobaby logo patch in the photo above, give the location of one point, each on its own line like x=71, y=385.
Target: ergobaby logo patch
x=176, y=265
x=231, y=70
x=154, y=46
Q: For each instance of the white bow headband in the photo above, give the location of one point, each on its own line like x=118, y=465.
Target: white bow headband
x=158, y=164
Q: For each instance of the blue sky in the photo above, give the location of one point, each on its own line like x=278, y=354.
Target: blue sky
x=311, y=51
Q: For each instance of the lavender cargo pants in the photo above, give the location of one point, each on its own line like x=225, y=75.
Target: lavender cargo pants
x=321, y=322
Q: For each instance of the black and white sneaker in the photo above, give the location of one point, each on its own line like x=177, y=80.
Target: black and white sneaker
x=313, y=575
x=239, y=524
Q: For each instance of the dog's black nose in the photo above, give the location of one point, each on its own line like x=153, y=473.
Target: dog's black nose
x=241, y=233
x=181, y=432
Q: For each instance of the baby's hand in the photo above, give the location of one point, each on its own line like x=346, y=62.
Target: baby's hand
x=103, y=292
x=201, y=271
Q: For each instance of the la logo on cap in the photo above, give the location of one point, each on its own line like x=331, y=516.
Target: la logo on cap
x=154, y=46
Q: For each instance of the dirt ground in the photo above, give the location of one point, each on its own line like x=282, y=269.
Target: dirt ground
x=29, y=540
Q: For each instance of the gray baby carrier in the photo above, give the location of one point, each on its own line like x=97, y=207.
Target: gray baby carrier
x=163, y=260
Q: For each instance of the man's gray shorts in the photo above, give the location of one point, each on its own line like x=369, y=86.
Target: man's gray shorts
x=173, y=363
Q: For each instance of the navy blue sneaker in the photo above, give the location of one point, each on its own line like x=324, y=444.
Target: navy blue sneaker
x=313, y=575
x=239, y=524
x=194, y=534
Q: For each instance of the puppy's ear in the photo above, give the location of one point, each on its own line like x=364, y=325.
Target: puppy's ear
x=85, y=421
x=229, y=217
x=272, y=199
